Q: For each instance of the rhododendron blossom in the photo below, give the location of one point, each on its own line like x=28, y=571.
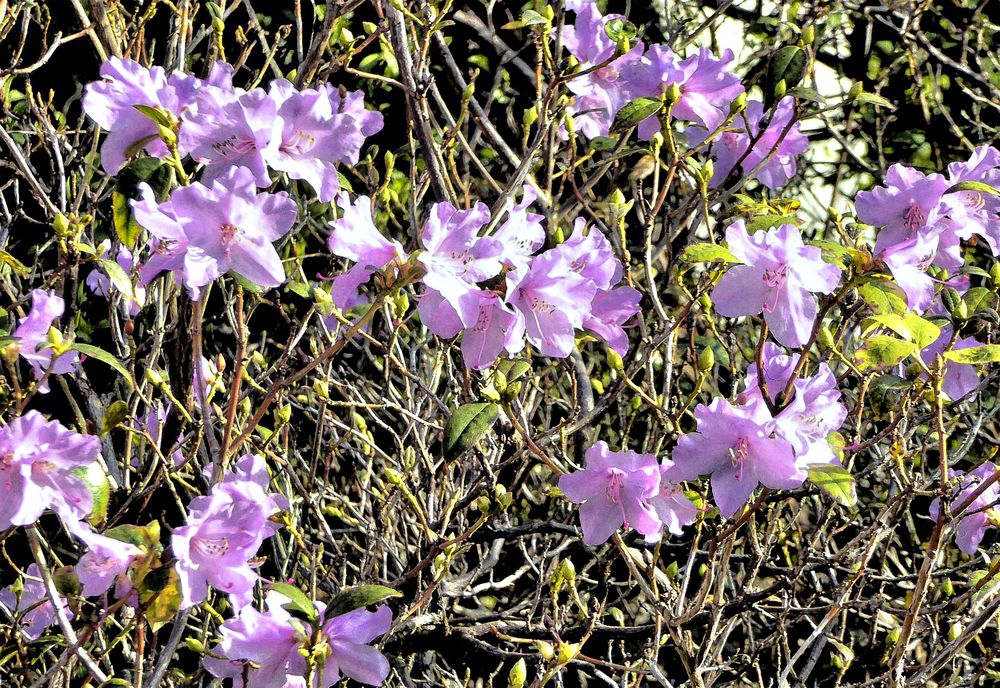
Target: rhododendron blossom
x=38, y=463
x=779, y=276
x=980, y=515
x=265, y=647
x=736, y=445
x=32, y=337
x=614, y=489
x=674, y=509
x=105, y=563
x=223, y=533
x=34, y=609
x=960, y=379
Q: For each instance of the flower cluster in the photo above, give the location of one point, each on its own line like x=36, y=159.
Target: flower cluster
x=923, y=219
x=699, y=90
x=627, y=489
x=543, y=298
x=271, y=648
x=223, y=533
x=742, y=446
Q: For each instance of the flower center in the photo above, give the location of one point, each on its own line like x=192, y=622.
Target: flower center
x=210, y=547
x=233, y=146
x=738, y=454
x=616, y=480
x=776, y=277
x=298, y=143
x=973, y=200
x=540, y=306
x=914, y=218
x=228, y=232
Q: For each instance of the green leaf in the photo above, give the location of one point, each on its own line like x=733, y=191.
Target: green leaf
x=872, y=99
x=119, y=278
x=146, y=537
x=978, y=298
x=113, y=417
x=620, y=29
x=354, y=598
x=707, y=253
x=768, y=220
x=602, y=143
x=836, y=481
x=13, y=263
x=882, y=297
x=299, y=603
x=126, y=227
x=973, y=186
x=528, y=18
x=96, y=480
x=160, y=594
x=976, y=355
x=788, y=64
x=104, y=357
x=911, y=327
x=159, y=115
x=634, y=112
x=513, y=369
x=883, y=352
x=467, y=424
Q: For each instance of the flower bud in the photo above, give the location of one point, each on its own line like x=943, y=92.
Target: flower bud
x=995, y=274
x=954, y=631
x=779, y=89
x=808, y=35
x=154, y=378
x=706, y=359
x=61, y=225
x=738, y=105
x=614, y=360
x=545, y=649
x=672, y=94
x=857, y=88
x=518, y=674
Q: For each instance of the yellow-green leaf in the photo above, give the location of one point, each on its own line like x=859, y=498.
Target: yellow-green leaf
x=911, y=327
x=104, y=357
x=466, y=425
x=883, y=297
x=836, y=481
x=976, y=355
x=357, y=597
x=883, y=352
x=707, y=253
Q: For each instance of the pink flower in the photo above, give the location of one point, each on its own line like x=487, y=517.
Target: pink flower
x=737, y=447
x=32, y=336
x=671, y=505
x=202, y=232
x=224, y=532
x=37, y=612
x=105, y=563
x=37, y=463
x=274, y=642
x=976, y=519
x=779, y=276
x=609, y=311
x=615, y=490
x=959, y=378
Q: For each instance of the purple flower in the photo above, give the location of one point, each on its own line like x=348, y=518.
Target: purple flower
x=202, y=232
x=978, y=517
x=100, y=284
x=959, y=378
x=522, y=233
x=671, y=505
x=32, y=337
x=37, y=612
x=707, y=88
x=37, y=463
x=737, y=447
x=814, y=413
x=908, y=262
x=779, y=153
x=975, y=212
x=456, y=257
x=355, y=237
x=779, y=276
x=609, y=310
x=903, y=207
x=552, y=301
x=274, y=642
x=224, y=532
x=615, y=490
x=105, y=563
x=778, y=367
x=601, y=93
x=589, y=254
x=318, y=130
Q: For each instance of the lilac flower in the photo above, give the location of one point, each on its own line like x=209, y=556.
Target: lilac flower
x=707, y=88
x=908, y=262
x=318, y=130
x=601, y=93
x=959, y=378
x=100, y=284
x=203, y=231
x=780, y=156
x=904, y=206
x=274, y=642
x=979, y=516
x=609, y=310
x=354, y=236
x=974, y=212
x=615, y=490
x=522, y=233
x=111, y=103
x=814, y=413
x=589, y=254
x=37, y=463
x=223, y=533
x=552, y=301
x=778, y=367
x=38, y=613
x=736, y=445
x=456, y=257
x=779, y=276
x=32, y=337
x=671, y=505
x=105, y=563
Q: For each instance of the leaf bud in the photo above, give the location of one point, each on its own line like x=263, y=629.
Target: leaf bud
x=706, y=359
x=518, y=674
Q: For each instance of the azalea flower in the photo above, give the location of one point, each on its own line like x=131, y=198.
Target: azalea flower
x=521, y=233
x=273, y=641
x=38, y=460
x=779, y=276
x=959, y=378
x=223, y=533
x=978, y=516
x=674, y=509
x=37, y=612
x=202, y=231
x=32, y=337
x=615, y=490
x=105, y=563
x=975, y=212
x=736, y=445
x=609, y=311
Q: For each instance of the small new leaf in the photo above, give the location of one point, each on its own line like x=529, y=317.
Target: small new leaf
x=354, y=598
x=836, y=481
x=298, y=603
x=634, y=112
x=466, y=426
x=707, y=253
